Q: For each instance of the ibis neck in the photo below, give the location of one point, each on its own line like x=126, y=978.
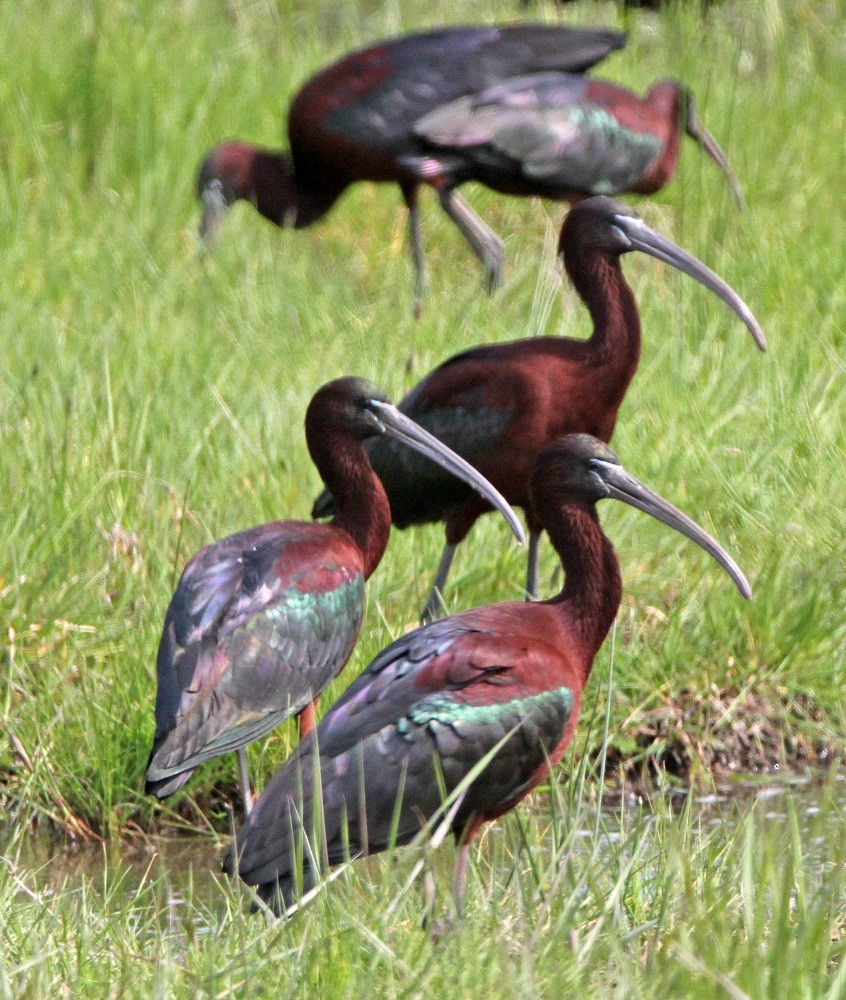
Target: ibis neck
x=665, y=100
x=615, y=341
x=593, y=587
x=282, y=198
x=361, y=505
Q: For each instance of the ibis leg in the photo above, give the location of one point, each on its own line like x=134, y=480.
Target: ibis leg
x=306, y=719
x=434, y=605
x=487, y=246
x=459, y=878
x=245, y=781
x=532, y=571
x=430, y=896
x=421, y=275
x=445, y=924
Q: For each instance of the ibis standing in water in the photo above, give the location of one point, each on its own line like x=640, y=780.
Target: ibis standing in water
x=263, y=620
x=502, y=682
x=359, y=119
x=500, y=405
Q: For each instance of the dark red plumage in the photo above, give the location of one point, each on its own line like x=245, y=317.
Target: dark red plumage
x=263, y=620
x=500, y=405
x=359, y=119
x=504, y=680
x=663, y=114
x=564, y=136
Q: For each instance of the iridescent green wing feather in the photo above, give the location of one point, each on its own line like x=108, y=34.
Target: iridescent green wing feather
x=250, y=640
x=389, y=746
x=542, y=128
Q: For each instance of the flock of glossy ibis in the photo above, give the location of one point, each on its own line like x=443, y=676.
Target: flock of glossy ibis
x=458, y=720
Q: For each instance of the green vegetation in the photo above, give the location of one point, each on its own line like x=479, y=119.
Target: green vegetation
x=152, y=400
x=745, y=907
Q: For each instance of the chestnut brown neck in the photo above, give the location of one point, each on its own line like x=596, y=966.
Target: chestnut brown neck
x=601, y=285
x=281, y=197
x=361, y=504
x=665, y=99
x=593, y=587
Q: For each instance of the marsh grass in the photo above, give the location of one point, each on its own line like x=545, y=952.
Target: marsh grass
x=739, y=902
x=152, y=399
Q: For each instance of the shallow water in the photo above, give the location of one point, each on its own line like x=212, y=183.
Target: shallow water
x=182, y=872
x=817, y=801
x=187, y=869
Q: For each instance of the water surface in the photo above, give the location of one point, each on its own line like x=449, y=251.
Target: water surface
x=187, y=869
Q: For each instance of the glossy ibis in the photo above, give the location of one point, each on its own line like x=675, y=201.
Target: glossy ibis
x=440, y=699
x=565, y=136
x=500, y=405
x=263, y=620
x=359, y=120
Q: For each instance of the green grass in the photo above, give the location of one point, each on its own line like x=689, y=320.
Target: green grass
x=151, y=400
x=714, y=903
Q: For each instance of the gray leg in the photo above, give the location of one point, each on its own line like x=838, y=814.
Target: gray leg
x=459, y=878
x=487, y=246
x=430, y=896
x=434, y=607
x=445, y=924
x=245, y=781
x=532, y=571
x=421, y=276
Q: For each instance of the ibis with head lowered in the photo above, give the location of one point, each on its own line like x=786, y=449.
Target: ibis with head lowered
x=359, y=119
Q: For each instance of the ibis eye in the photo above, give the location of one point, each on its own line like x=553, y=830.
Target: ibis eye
x=595, y=472
x=369, y=406
x=370, y=414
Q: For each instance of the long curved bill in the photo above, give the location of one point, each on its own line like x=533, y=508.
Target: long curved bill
x=696, y=130
x=214, y=209
x=642, y=238
x=623, y=486
x=401, y=427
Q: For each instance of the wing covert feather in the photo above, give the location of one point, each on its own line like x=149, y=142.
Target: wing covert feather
x=259, y=624
x=391, y=732
x=543, y=128
x=393, y=83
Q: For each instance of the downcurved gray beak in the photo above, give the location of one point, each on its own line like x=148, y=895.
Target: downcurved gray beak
x=641, y=237
x=696, y=130
x=214, y=209
x=622, y=486
x=401, y=427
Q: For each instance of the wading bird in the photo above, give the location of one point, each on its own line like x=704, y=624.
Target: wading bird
x=500, y=405
x=263, y=620
x=358, y=120
x=504, y=680
x=565, y=136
